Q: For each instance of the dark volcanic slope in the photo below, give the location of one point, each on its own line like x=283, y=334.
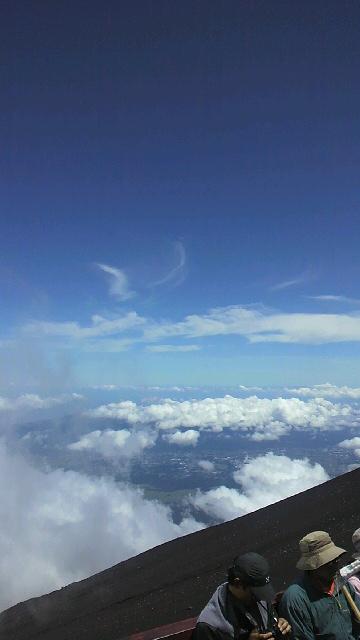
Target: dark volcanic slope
x=174, y=580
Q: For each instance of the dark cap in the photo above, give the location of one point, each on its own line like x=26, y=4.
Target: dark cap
x=254, y=571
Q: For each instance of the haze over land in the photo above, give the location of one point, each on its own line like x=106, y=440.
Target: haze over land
x=179, y=233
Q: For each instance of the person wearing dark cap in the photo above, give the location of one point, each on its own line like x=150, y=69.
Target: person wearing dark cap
x=315, y=605
x=242, y=607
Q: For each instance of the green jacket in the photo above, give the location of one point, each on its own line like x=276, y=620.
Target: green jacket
x=316, y=615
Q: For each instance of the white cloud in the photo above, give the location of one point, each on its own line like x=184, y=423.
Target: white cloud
x=286, y=284
x=326, y=390
x=352, y=467
x=34, y=401
x=264, y=480
x=352, y=443
x=162, y=348
x=107, y=345
x=332, y=298
x=46, y=519
x=118, y=282
x=260, y=326
x=187, y=438
x=115, y=444
x=104, y=387
x=100, y=327
x=206, y=465
x=177, y=274
x=254, y=324
x=261, y=418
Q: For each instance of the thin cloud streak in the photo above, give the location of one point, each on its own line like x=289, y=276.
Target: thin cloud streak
x=177, y=274
x=118, y=282
x=100, y=327
x=286, y=284
x=332, y=298
x=172, y=348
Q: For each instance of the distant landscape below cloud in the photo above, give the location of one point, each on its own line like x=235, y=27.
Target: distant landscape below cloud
x=107, y=468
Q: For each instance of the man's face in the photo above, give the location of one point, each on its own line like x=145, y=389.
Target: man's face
x=243, y=593
x=327, y=572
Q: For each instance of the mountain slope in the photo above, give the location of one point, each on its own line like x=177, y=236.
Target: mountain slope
x=174, y=580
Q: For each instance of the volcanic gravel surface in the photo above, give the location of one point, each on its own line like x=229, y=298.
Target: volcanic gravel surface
x=174, y=581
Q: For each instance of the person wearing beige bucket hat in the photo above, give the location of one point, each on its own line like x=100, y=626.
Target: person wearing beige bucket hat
x=314, y=605
x=354, y=579
x=356, y=543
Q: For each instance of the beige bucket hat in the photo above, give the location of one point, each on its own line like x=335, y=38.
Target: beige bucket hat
x=317, y=549
x=356, y=543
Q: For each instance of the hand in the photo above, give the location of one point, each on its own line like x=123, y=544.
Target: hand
x=255, y=635
x=284, y=626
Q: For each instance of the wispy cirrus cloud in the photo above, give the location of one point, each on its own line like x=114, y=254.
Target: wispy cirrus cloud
x=177, y=274
x=174, y=348
x=118, y=282
x=100, y=326
x=291, y=282
x=333, y=298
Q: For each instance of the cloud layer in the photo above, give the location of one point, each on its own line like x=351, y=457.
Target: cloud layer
x=255, y=324
x=260, y=418
x=34, y=401
x=326, y=390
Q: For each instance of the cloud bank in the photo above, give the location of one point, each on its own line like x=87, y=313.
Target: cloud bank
x=326, y=390
x=62, y=526
x=259, y=418
x=264, y=480
x=34, y=401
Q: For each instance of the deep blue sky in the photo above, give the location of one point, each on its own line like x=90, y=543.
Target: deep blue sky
x=208, y=151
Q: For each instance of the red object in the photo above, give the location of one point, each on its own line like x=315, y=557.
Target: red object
x=181, y=630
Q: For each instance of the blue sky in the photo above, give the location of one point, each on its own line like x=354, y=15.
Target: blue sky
x=189, y=173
